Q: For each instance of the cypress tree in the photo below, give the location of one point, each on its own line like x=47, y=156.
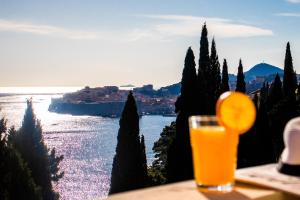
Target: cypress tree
x=186, y=100
x=280, y=114
x=204, y=63
x=263, y=137
x=286, y=108
x=28, y=140
x=219, y=82
x=129, y=167
x=214, y=81
x=275, y=94
x=143, y=161
x=240, y=82
x=225, y=78
x=264, y=91
x=289, y=77
x=179, y=157
x=203, y=74
x=15, y=177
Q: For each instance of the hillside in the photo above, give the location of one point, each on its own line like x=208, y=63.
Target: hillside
x=262, y=69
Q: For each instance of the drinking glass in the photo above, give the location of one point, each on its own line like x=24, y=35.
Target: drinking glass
x=214, y=150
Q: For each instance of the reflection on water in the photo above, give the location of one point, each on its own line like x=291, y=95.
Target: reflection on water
x=87, y=143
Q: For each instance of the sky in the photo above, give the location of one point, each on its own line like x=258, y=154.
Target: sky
x=110, y=42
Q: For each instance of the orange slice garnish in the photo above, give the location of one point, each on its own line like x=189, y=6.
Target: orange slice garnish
x=236, y=111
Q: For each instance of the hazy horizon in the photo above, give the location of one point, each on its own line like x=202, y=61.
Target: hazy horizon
x=98, y=43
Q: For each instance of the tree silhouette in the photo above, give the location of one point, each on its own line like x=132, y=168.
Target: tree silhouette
x=240, y=82
x=16, y=181
x=289, y=77
x=179, y=157
x=275, y=94
x=203, y=73
x=225, y=79
x=186, y=100
x=214, y=82
x=264, y=137
x=204, y=63
x=158, y=170
x=28, y=140
x=129, y=168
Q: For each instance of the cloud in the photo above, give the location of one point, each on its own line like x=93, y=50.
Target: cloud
x=39, y=29
x=289, y=14
x=189, y=26
x=293, y=1
x=161, y=28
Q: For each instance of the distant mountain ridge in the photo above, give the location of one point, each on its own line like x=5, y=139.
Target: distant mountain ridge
x=262, y=69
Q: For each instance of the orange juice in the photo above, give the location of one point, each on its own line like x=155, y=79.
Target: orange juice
x=214, y=155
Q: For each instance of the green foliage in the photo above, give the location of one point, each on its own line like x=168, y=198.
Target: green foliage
x=16, y=181
x=275, y=94
x=240, y=82
x=204, y=62
x=179, y=155
x=289, y=77
x=54, y=166
x=214, y=80
x=203, y=74
x=28, y=140
x=225, y=78
x=256, y=146
x=276, y=105
x=129, y=169
x=280, y=114
x=274, y=111
x=158, y=170
x=143, y=160
x=186, y=99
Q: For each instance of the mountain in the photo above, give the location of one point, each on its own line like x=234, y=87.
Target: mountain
x=262, y=69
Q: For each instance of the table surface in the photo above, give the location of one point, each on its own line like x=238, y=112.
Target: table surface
x=187, y=191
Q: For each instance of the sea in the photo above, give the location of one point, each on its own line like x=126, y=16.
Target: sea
x=87, y=143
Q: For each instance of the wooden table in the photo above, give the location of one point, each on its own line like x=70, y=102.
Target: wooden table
x=187, y=191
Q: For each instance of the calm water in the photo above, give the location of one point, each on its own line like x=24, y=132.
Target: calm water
x=87, y=143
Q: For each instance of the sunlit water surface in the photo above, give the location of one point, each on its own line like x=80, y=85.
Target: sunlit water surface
x=87, y=143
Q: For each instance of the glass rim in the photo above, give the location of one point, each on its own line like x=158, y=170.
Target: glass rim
x=203, y=121
x=203, y=118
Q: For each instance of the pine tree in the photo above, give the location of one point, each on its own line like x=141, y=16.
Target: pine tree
x=225, y=78
x=128, y=170
x=240, y=82
x=16, y=181
x=289, y=77
x=179, y=157
x=203, y=74
x=28, y=140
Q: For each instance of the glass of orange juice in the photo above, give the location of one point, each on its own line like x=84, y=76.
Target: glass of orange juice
x=214, y=150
